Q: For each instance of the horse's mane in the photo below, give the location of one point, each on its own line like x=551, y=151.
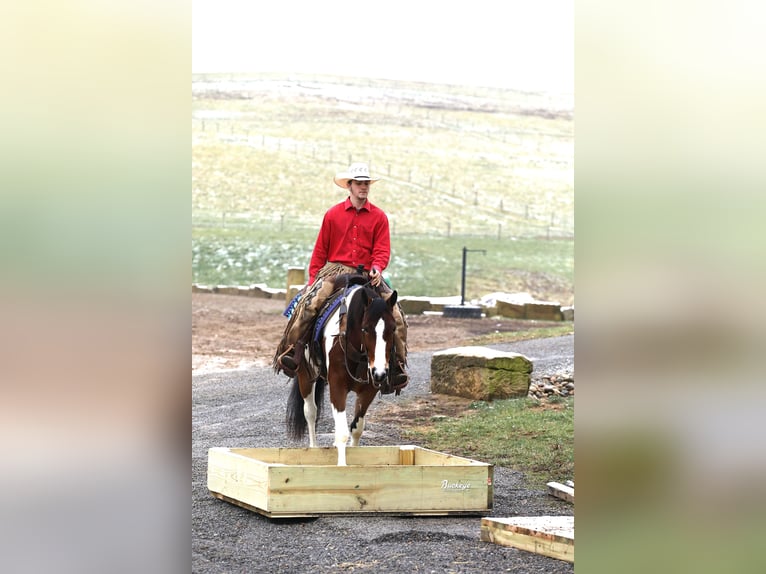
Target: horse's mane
x=356, y=308
x=377, y=307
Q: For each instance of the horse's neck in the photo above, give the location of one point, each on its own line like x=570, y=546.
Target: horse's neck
x=354, y=308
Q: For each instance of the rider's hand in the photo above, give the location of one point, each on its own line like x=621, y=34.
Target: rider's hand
x=375, y=277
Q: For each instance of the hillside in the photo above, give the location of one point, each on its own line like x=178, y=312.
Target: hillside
x=457, y=163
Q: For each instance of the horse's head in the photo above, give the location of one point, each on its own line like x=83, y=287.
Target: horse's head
x=378, y=326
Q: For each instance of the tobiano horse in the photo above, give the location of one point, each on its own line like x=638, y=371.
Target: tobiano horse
x=352, y=354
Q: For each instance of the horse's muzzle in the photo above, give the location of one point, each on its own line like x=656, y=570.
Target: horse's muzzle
x=378, y=377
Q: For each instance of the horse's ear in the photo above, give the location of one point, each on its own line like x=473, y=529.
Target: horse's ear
x=392, y=299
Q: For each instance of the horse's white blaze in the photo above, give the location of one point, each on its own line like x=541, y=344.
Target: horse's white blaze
x=379, y=366
x=341, y=434
x=310, y=412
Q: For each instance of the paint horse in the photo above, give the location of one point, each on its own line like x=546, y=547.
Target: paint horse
x=351, y=353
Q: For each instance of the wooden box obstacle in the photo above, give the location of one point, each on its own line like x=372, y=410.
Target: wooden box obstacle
x=298, y=482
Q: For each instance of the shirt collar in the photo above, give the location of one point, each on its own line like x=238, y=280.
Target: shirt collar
x=348, y=205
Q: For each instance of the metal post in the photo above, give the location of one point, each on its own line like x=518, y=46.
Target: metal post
x=462, y=285
x=462, y=280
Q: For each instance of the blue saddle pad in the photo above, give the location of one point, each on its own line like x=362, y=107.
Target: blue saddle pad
x=291, y=307
x=325, y=315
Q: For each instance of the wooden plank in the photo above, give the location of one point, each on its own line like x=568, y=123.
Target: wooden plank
x=376, y=489
x=238, y=476
x=561, y=491
x=371, y=455
x=426, y=457
x=551, y=536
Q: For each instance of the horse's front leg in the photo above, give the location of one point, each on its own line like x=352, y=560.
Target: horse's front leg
x=364, y=398
x=338, y=395
x=341, y=433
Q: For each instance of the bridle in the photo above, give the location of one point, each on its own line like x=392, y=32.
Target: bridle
x=357, y=356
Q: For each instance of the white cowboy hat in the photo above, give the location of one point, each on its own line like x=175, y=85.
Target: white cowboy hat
x=357, y=171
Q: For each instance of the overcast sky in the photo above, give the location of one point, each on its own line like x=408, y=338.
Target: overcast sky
x=513, y=44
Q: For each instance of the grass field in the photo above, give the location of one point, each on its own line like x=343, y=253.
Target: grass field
x=476, y=167
x=536, y=439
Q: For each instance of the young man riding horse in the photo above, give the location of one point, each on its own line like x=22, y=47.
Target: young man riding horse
x=354, y=233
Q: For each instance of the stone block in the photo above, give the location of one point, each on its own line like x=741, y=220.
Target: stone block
x=568, y=313
x=510, y=309
x=543, y=311
x=415, y=305
x=480, y=373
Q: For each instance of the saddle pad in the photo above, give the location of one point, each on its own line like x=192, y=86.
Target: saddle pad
x=291, y=307
x=329, y=307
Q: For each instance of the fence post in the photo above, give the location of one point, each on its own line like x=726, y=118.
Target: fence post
x=295, y=276
x=499, y=230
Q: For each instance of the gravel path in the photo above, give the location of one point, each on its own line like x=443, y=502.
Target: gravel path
x=245, y=408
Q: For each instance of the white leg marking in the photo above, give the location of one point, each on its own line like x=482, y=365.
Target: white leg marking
x=356, y=434
x=310, y=412
x=341, y=434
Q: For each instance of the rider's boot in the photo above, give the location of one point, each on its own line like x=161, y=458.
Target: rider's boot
x=290, y=360
x=399, y=376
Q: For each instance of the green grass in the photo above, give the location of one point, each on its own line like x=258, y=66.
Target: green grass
x=530, y=333
x=540, y=440
x=420, y=266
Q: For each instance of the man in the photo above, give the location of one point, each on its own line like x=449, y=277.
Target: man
x=353, y=233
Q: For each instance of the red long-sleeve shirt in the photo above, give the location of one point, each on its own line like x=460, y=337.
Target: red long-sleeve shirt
x=352, y=238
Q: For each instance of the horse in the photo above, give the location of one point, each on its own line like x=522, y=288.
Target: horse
x=352, y=353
